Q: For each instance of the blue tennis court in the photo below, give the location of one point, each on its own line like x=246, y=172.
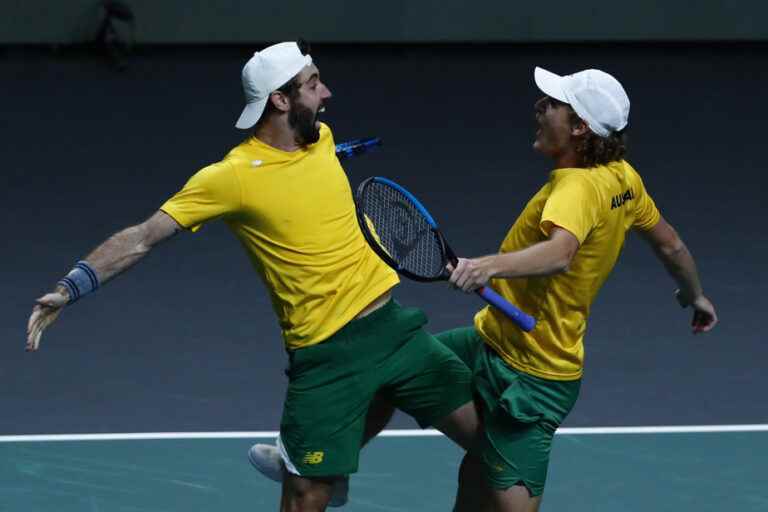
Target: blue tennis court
x=592, y=470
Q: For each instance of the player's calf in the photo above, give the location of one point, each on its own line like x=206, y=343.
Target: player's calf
x=302, y=494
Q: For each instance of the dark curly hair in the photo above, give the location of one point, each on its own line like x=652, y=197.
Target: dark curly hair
x=596, y=150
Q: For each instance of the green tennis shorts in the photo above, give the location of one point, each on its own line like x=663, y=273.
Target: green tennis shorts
x=520, y=412
x=332, y=384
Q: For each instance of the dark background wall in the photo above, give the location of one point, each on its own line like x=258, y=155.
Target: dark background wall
x=354, y=21
x=187, y=341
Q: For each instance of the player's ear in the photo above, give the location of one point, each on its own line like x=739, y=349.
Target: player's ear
x=580, y=128
x=280, y=101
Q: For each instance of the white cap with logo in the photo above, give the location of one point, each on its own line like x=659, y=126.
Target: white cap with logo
x=596, y=97
x=264, y=73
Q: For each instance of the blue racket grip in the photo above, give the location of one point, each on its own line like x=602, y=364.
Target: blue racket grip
x=523, y=320
x=356, y=147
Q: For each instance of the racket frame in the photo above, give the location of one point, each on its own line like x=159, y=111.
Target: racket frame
x=445, y=250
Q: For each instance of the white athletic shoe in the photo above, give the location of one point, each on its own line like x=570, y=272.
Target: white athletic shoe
x=266, y=458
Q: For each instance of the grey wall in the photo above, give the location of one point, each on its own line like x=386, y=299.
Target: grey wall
x=238, y=21
x=187, y=341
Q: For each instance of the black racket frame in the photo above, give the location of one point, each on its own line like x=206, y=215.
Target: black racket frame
x=448, y=255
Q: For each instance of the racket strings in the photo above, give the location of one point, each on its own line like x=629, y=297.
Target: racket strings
x=402, y=231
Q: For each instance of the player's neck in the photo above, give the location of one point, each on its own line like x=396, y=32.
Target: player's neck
x=278, y=135
x=568, y=159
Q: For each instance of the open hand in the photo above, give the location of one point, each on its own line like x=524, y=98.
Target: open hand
x=45, y=312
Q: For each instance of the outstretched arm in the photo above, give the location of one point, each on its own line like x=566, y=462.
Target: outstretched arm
x=117, y=254
x=677, y=259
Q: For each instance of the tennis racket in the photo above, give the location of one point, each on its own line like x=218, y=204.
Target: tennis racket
x=403, y=233
x=356, y=147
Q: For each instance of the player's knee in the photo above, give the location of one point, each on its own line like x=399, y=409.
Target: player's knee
x=514, y=499
x=534, y=504
x=462, y=426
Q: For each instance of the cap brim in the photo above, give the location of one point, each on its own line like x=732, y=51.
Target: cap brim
x=550, y=84
x=251, y=114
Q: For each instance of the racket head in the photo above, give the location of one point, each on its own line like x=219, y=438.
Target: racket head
x=401, y=231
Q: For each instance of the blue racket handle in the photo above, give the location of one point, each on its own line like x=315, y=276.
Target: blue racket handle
x=356, y=147
x=523, y=320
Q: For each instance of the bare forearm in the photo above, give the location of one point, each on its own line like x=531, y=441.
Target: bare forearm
x=680, y=264
x=673, y=253
x=536, y=260
x=125, y=248
x=119, y=252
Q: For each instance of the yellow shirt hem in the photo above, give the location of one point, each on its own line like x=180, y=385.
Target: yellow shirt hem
x=536, y=372
x=374, y=293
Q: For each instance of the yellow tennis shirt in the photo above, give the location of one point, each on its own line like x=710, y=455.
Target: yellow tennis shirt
x=294, y=214
x=598, y=206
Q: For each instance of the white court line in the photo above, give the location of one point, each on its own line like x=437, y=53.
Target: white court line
x=682, y=429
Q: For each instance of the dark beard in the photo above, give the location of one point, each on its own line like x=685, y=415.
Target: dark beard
x=302, y=120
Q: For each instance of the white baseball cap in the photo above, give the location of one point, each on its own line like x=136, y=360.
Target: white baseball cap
x=596, y=97
x=264, y=73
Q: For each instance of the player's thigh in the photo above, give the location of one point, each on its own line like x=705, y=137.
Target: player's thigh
x=516, y=462
x=520, y=416
x=429, y=382
x=324, y=411
x=333, y=384
x=462, y=426
x=465, y=342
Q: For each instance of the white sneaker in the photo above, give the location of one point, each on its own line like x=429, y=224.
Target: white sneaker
x=266, y=458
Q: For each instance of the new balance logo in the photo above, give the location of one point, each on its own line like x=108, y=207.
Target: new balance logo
x=313, y=458
x=619, y=200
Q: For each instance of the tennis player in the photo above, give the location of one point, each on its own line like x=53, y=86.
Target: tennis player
x=552, y=263
x=284, y=195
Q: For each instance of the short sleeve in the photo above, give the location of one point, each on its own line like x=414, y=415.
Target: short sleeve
x=646, y=213
x=572, y=205
x=324, y=128
x=212, y=192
